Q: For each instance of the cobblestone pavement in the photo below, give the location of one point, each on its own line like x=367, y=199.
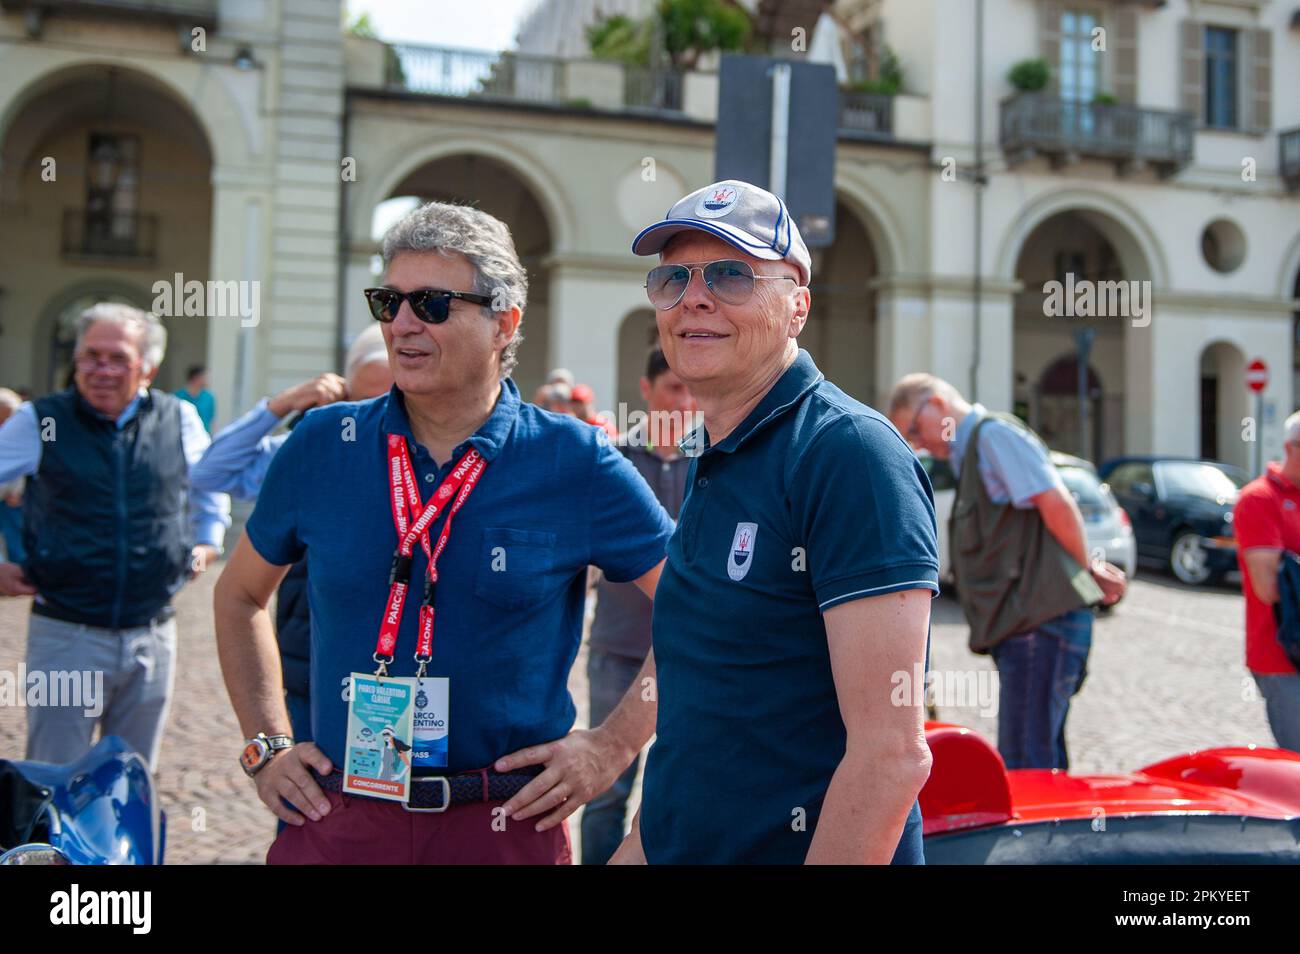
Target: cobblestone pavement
x=1166, y=675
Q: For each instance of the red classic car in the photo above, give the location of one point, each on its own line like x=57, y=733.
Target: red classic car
x=1233, y=805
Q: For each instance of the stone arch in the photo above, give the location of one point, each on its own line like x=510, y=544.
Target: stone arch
x=403, y=162
x=1138, y=246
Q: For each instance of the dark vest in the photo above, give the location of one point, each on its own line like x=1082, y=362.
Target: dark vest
x=105, y=519
x=1011, y=573
x=293, y=630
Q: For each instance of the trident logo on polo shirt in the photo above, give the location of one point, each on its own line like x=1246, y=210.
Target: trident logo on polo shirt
x=742, y=550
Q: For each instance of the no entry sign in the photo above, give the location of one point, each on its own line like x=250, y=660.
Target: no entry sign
x=1257, y=375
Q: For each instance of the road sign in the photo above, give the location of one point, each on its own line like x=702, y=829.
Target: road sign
x=752, y=92
x=1257, y=375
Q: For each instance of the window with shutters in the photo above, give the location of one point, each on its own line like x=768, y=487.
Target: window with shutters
x=1221, y=77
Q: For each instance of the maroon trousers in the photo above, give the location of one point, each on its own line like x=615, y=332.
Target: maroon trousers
x=361, y=830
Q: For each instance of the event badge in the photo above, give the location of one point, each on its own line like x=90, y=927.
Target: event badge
x=431, y=718
x=381, y=722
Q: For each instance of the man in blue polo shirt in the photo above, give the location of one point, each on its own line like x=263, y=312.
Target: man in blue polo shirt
x=510, y=588
x=798, y=580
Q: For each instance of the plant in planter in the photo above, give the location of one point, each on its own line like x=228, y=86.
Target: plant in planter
x=1104, y=99
x=1030, y=76
x=889, y=77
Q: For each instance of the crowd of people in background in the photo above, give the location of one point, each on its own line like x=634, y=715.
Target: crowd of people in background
x=104, y=525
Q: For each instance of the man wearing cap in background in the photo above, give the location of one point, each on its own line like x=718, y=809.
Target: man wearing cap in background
x=236, y=464
x=798, y=580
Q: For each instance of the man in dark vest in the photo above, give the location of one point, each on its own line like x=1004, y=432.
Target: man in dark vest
x=1020, y=560
x=110, y=537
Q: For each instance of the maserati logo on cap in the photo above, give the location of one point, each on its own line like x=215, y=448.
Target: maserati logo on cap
x=742, y=550
x=717, y=201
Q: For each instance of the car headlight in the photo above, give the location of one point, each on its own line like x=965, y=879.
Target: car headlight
x=34, y=853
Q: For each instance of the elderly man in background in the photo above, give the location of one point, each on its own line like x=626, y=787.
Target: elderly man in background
x=236, y=463
x=109, y=536
x=1020, y=558
x=799, y=577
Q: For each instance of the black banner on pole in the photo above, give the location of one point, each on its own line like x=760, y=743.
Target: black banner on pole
x=743, y=144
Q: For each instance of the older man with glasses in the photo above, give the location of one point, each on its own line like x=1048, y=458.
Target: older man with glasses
x=1025, y=578
x=108, y=534
x=450, y=493
x=798, y=580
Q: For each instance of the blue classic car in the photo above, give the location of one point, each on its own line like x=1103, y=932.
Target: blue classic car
x=1181, y=510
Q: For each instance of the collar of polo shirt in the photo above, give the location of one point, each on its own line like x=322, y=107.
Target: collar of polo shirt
x=487, y=440
x=800, y=378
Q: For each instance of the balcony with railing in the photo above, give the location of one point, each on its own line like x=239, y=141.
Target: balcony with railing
x=866, y=115
x=581, y=84
x=1065, y=131
x=120, y=237
x=515, y=78
x=187, y=13
x=1288, y=157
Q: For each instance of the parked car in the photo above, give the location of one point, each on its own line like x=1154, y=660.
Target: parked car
x=1105, y=523
x=1181, y=509
x=101, y=809
x=1231, y=805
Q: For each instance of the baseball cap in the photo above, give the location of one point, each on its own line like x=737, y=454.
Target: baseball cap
x=749, y=218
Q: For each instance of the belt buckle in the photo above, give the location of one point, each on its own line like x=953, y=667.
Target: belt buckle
x=446, y=794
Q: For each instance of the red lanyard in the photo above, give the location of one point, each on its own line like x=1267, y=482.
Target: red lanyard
x=413, y=524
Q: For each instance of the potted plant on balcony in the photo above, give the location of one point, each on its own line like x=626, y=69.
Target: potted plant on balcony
x=888, y=80
x=1030, y=76
x=1103, y=116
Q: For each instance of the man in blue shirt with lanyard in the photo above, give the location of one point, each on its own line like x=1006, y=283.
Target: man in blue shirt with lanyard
x=798, y=580
x=366, y=491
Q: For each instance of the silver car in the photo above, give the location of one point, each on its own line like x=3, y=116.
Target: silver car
x=1109, y=532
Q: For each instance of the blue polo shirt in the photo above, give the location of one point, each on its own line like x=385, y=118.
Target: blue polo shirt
x=813, y=501
x=555, y=497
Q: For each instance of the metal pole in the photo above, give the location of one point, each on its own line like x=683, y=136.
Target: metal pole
x=780, y=129
x=977, y=290
x=1083, y=341
x=1259, y=424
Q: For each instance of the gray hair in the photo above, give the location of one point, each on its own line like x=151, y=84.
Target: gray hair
x=10, y=399
x=910, y=389
x=368, y=346
x=152, y=334
x=1291, y=428
x=483, y=240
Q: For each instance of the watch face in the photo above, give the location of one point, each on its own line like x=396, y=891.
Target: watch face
x=253, y=754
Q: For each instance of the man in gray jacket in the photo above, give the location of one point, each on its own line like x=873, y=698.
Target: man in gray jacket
x=620, y=633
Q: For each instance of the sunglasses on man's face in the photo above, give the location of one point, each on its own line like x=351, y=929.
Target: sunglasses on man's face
x=731, y=281
x=430, y=305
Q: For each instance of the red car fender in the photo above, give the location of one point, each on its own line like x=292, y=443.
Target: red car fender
x=1268, y=776
x=968, y=786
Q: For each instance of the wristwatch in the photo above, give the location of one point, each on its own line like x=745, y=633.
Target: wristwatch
x=259, y=750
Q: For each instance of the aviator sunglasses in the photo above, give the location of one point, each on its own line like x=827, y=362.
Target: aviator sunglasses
x=430, y=305
x=731, y=281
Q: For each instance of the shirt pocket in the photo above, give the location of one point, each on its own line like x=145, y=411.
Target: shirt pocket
x=516, y=567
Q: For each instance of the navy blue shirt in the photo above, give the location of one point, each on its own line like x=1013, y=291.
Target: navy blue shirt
x=555, y=497
x=812, y=501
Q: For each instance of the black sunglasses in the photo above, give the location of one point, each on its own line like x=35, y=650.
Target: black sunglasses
x=730, y=281
x=431, y=305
